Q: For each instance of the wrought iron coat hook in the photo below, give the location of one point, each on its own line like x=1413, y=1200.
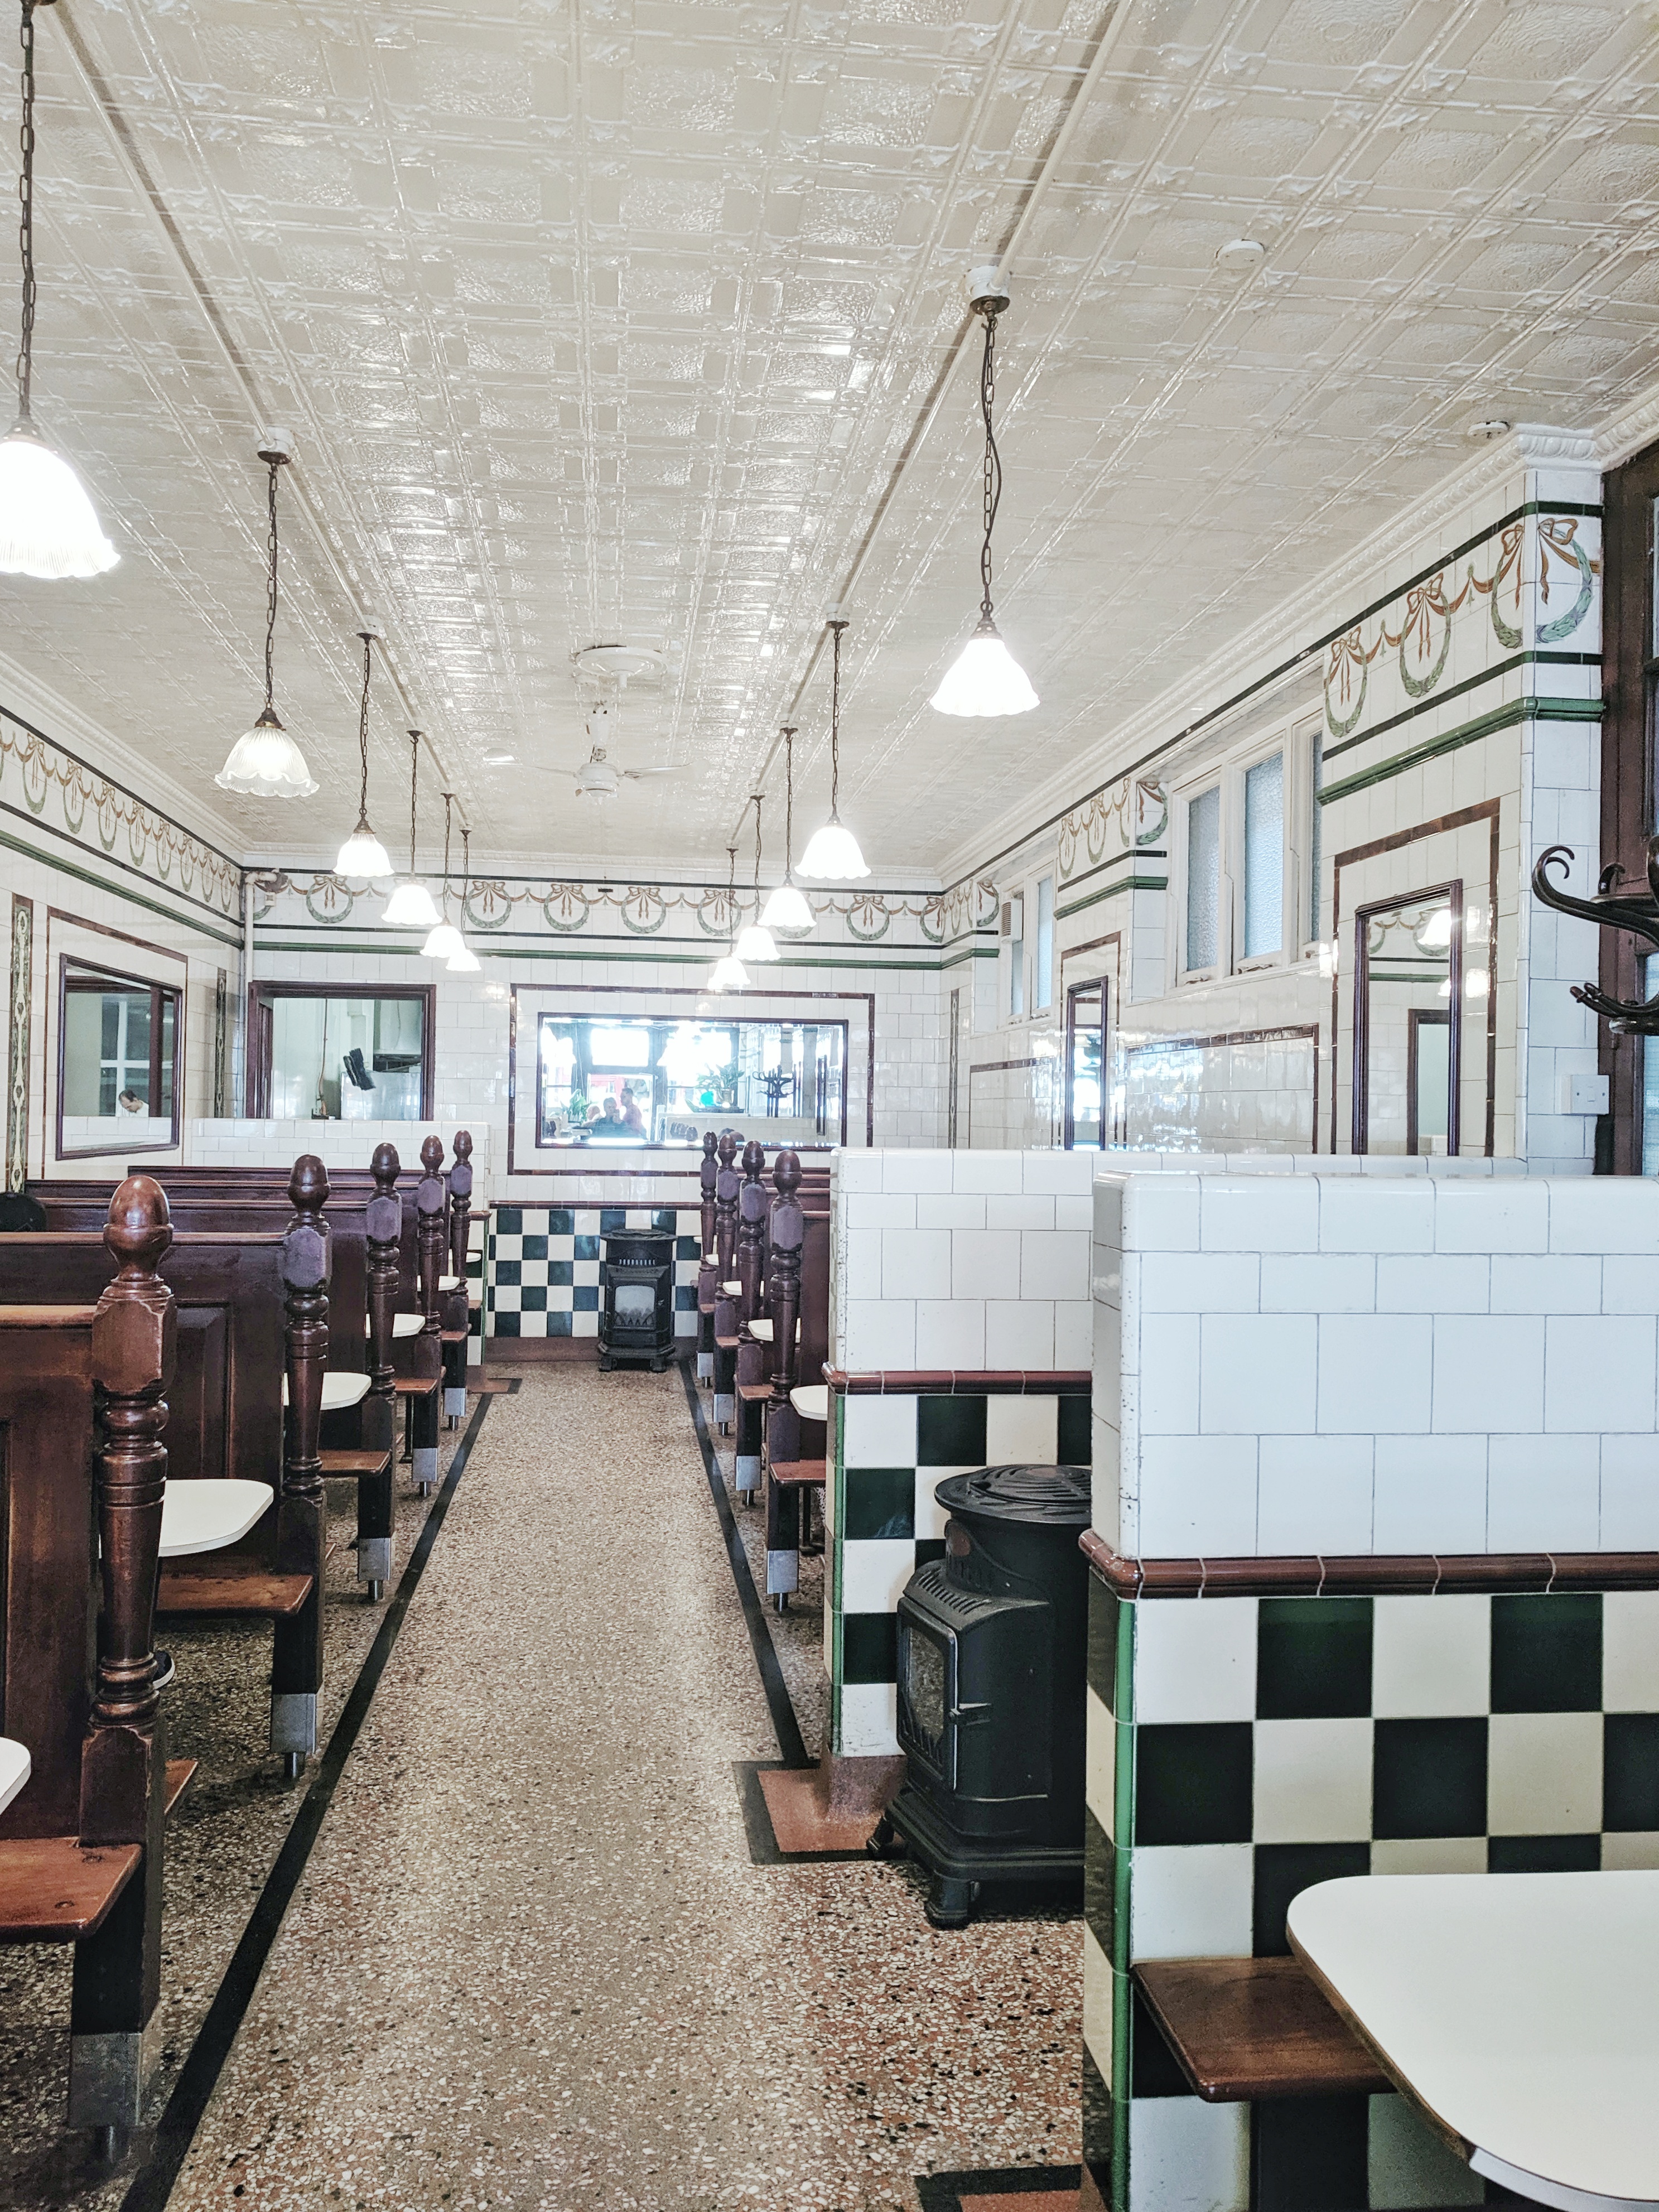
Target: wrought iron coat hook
x=1612, y=907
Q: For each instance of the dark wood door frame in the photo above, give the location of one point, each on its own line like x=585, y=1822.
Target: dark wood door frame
x=1362, y=1012
x=1074, y=991
x=1416, y=1017
x=1630, y=674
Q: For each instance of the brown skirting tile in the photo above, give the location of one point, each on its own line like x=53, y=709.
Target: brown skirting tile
x=961, y=1382
x=1357, y=1575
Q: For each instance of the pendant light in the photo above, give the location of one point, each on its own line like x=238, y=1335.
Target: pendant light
x=756, y=942
x=410, y=906
x=463, y=961
x=728, y=973
x=264, y=761
x=363, y=852
x=48, y=525
x=787, y=908
x=832, y=855
x=445, y=940
x=985, y=679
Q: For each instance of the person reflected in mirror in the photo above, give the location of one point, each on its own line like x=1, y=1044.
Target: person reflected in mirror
x=633, y=1120
x=130, y=1101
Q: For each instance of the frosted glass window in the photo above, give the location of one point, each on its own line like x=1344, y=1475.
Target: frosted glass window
x=1264, y=858
x=1017, y=967
x=1045, y=944
x=1203, y=877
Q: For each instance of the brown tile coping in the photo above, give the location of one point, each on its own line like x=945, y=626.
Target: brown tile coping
x=1358, y=1575
x=962, y=1381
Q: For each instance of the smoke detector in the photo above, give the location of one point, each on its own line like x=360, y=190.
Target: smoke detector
x=1241, y=253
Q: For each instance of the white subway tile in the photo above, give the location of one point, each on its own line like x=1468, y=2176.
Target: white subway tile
x=984, y=1263
x=1257, y=1372
x=1630, y=1494
x=1554, y=1283
x=1192, y=1282
x=949, y=1211
x=1603, y=1213
x=1195, y=1662
x=1259, y=1214
x=1022, y=1431
x=1376, y=1213
x=1599, y=1372
x=916, y=1263
x=1191, y=1900
x=1197, y=1498
x=1168, y=1352
x=1488, y=1373
x=915, y=1171
x=1316, y=1282
x=1430, y=1493
x=1020, y=1213
x=1073, y=1329
x=950, y=1332
x=879, y=1333
x=1314, y=1494
x=1430, y=1283
x=878, y=1432
x=1019, y=1332
x=1053, y=1264
x=879, y=1211
x=1161, y=1213
x=1543, y=1493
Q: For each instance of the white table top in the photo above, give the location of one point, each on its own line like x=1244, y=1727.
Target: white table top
x=811, y=1400
x=1520, y=2010
x=339, y=1391
x=205, y=1516
x=403, y=1325
x=731, y=1290
x=14, y=1769
x=449, y=1282
x=761, y=1329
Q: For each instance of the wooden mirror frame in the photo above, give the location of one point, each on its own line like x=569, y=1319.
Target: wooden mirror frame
x=1073, y=993
x=99, y=978
x=262, y=998
x=1453, y=893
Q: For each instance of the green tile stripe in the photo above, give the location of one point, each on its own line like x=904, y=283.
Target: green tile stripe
x=118, y=889
x=1499, y=668
x=837, y=1659
x=1532, y=709
x=1112, y=891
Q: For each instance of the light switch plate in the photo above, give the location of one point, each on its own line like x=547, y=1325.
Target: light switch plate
x=1583, y=1094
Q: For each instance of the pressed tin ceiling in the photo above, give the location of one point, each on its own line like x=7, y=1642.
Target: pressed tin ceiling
x=602, y=320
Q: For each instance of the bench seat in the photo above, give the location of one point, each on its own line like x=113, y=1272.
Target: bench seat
x=798, y=1474
x=182, y=1595
x=1243, y=2029
x=53, y=1891
x=354, y=1462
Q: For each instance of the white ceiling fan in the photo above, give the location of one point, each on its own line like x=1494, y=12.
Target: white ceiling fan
x=599, y=777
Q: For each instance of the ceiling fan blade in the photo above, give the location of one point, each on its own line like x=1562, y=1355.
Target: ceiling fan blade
x=639, y=774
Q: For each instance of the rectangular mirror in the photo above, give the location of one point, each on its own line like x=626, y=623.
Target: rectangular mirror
x=1086, y=1066
x=1409, y=993
x=341, y=1052
x=634, y=1080
x=118, y=1040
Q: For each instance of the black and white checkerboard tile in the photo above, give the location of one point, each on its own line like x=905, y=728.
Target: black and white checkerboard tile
x=893, y=1453
x=544, y=1266
x=1243, y=1748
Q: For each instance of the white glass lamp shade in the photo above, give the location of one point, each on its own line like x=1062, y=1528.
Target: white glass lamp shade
x=410, y=908
x=683, y=1059
x=1436, y=931
x=833, y=856
x=787, y=908
x=728, y=974
x=444, y=943
x=362, y=854
x=985, y=679
x=463, y=961
x=265, y=763
x=755, y=942
x=48, y=525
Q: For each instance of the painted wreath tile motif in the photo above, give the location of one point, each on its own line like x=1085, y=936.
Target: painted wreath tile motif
x=1541, y=578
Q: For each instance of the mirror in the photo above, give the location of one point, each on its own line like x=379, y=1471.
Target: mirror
x=338, y=1053
x=634, y=1080
x=1408, y=1023
x=118, y=1051
x=1085, y=1037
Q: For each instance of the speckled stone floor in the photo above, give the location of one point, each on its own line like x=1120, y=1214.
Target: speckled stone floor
x=529, y=1963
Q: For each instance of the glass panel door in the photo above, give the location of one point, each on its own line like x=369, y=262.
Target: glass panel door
x=1086, y=1066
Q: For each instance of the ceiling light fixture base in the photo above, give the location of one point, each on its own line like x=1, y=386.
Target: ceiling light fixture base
x=988, y=290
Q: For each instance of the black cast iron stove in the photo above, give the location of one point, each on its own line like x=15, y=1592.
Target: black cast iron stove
x=992, y=1659
x=636, y=1315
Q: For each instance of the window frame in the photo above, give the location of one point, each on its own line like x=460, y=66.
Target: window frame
x=1227, y=774
x=261, y=1002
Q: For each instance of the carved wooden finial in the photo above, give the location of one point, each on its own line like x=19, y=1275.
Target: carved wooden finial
x=754, y=1159
x=464, y=1146
x=727, y=1148
x=386, y=1168
x=785, y=1173
x=709, y=1142
x=308, y=1186
x=432, y=1154
x=140, y=1225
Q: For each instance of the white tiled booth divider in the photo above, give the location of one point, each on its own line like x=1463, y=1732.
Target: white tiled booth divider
x=1243, y=1748
x=960, y=1260
x=892, y=1452
x=544, y=1266
x=1332, y=1363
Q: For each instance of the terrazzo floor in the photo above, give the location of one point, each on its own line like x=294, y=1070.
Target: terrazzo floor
x=529, y=1963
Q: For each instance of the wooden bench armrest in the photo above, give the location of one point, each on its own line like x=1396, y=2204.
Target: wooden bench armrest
x=754, y=1393
x=416, y=1386
x=181, y=1773
x=353, y=1462
x=1243, y=2028
x=728, y=1343
x=53, y=1891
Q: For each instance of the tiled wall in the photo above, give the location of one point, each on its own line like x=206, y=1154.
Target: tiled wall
x=891, y=1453
x=961, y=1260
x=546, y=1272
x=337, y=1144
x=1409, y=1362
x=1243, y=1748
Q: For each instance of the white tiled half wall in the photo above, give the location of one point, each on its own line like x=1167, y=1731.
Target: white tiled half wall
x=1297, y=1362
x=961, y=1260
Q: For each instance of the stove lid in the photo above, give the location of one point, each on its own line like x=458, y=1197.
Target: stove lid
x=1038, y=1496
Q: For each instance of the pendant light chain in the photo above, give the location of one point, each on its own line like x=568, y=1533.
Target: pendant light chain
x=836, y=628
x=731, y=891
x=757, y=853
x=25, y=214
x=274, y=464
x=413, y=778
x=466, y=871
x=789, y=806
x=993, y=480
x=448, y=802
x=362, y=729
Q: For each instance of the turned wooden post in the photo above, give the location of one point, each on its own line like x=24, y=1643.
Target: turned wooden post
x=783, y=1501
x=431, y=1242
x=383, y=1222
x=117, y=1983
x=296, y=1674
x=727, y=1183
x=751, y=1368
x=751, y=1230
x=706, y=1274
x=456, y=1312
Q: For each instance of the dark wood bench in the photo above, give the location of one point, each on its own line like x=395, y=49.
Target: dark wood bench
x=1243, y=2029
x=82, y=1846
